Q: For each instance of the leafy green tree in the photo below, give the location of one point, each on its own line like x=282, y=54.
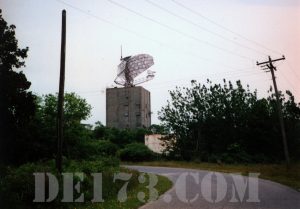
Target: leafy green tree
x=76, y=108
x=226, y=121
x=120, y=137
x=157, y=129
x=43, y=128
x=16, y=102
x=99, y=130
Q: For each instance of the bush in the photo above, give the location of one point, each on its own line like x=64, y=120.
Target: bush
x=93, y=149
x=120, y=137
x=88, y=167
x=18, y=185
x=136, y=152
x=106, y=148
x=106, y=166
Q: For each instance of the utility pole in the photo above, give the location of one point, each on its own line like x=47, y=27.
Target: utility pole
x=272, y=68
x=60, y=105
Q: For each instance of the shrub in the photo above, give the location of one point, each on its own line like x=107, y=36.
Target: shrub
x=17, y=186
x=106, y=148
x=88, y=167
x=136, y=152
x=120, y=137
x=93, y=149
x=106, y=166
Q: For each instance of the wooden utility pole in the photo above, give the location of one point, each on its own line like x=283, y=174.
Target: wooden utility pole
x=270, y=66
x=60, y=105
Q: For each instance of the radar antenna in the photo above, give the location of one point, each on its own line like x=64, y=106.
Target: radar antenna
x=131, y=67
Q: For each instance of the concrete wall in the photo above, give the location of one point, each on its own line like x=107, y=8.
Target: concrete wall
x=128, y=107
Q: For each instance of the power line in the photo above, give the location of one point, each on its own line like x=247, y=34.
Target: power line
x=224, y=28
x=178, y=31
x=291, y=85
x=203, y=28
x=213, y=62
x=108, y=22
x=226, y=74
x=217, y=75
x=145, y=37
x=292, y=69
x=172, y=85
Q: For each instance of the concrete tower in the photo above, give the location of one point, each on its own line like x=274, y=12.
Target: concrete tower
x=128, y=107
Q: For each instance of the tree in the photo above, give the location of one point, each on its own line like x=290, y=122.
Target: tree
x=157, y=129
x=76, y=109
x=16, y=103
x=41, y=138
x=99, y=130
x=227, y=122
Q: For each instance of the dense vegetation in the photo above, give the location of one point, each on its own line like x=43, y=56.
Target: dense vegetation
x=136, y=152
x=81, y=141
x=228, y=123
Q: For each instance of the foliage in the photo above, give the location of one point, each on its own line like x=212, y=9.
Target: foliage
x=121, y=137
x=76, y=108
x=93, y=149
x=107, y=148
x=158, y=129
x=16, y=102
x=99, y=131
x=136, y=152
x=42, y=128
x=223, y=122
x=17, y=188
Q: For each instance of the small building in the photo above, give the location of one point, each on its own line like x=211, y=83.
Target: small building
x=128, y=107
x=154, y=143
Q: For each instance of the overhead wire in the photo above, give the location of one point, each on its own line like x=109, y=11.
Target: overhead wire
x=195, y=78
x=213, y=62
x=129, y=31
x=215, y=75
x=178, y=31
x=228, y=74
x=203, y=28
x=292, y=69
x=286, y=78
x=290, y=84
x=225, y=28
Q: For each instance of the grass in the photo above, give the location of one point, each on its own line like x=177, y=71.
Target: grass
x=274, y=172
x=17, y=186
x=132, y=201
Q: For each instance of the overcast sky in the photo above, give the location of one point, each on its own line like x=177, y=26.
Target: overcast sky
x=188, y=39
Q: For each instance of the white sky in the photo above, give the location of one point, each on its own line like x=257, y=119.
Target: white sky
x=184, y=48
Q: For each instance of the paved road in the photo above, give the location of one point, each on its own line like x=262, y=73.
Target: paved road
x=212, y=191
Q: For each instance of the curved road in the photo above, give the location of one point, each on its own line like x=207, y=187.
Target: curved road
x=204, y=189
